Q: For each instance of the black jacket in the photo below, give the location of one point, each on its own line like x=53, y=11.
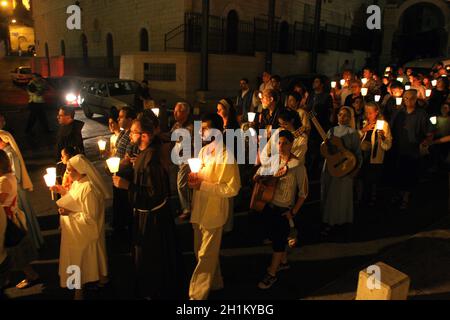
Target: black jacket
x=69, y=136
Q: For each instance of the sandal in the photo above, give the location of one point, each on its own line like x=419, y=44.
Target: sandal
x=25, y=284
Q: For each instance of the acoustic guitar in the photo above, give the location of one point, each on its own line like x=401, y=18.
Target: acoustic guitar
x=340, y=161
x=264, y=190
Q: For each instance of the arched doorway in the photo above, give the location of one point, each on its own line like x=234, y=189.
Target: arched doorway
x=232, y=31
x=421, y=33
x=84, y=46
x=144, y=40
x=110, y=50
x=283, y=40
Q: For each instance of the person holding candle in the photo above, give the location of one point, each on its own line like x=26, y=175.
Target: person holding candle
x=416, y=84
x=337, y=193
x=294, y=100
x=411, y=127
x=300, y=88
x=372, y=85
x=114, y=128
x=66, y=154
x=376, y=140
x=227, y=112
x=290, y=194
x=24, y=185
x=245, y=100
x=69, y=132
x=358, y=108
x=438, y=96
x=157, y=258
x=25, y=252
x=271, y=110
x=182, y=115
x=217, y=181
x=356, y=87
x=82, y=219
x=389, y=105
x=122, y=211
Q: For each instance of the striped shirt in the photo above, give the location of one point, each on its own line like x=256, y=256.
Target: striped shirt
x=123, y=140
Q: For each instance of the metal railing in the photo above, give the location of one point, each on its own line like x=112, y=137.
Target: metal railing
x=252, y=36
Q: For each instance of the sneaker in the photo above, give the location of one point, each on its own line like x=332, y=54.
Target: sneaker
x=284, y=266
x=267, y=281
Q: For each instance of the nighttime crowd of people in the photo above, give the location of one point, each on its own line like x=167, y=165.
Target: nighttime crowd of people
x=396, y=126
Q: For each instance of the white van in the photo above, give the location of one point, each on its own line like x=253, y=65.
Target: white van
x=107, y=96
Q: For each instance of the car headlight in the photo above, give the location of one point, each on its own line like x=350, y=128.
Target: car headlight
x=71, y=98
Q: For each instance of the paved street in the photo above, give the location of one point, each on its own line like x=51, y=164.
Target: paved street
x=244, y=259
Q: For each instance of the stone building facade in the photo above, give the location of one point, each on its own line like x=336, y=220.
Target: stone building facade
x=160, y=39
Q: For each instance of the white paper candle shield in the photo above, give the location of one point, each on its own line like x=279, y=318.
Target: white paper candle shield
x=343, y=82
x=113, y=164
x=377, y=98
x=333, y=84
x=364, y=81
x=251, y=116
x=364, y=91
x=400, y=79
x=434, y=83
x=195, y=164
x=156, y=111
x=380, y=124
x=388, y=69
x=398, y=101
x=433, y=120
x=51, y=171
x=428, y=93
x=102, y=145
x=50, y=180
x=407, y=87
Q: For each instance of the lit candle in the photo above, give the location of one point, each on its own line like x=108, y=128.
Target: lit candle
x=102, y=145
x=195, y=165
x=377, y=98
x=434, y=83
x=400, y=79
x=433, y=120
x=380, y=124
x=156, y=111
x=50, y=181
x=428, y=93
x=251, y=116
x=333, y=84
x=113, y=164
x=364, y=81
x=407, y=87
x=364, y=91
x=343, y=82
x=388, y=69
x=399, y=101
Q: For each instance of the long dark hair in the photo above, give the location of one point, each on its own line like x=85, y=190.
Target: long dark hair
x=5, y=163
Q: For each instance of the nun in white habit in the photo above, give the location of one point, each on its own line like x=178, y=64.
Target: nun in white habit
x=82, y=211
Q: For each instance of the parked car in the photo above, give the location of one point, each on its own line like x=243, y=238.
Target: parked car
x=63, y=91
x=21, y=75
x=107, y=96
x=424, y=65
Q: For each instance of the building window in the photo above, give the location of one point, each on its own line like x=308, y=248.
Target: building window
x=63, y=48
x=232, y=31
x=144, y=40
x=160, y=71
x=110, y=50
x=284, y=37
x=84, y=46
x=47, y=53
